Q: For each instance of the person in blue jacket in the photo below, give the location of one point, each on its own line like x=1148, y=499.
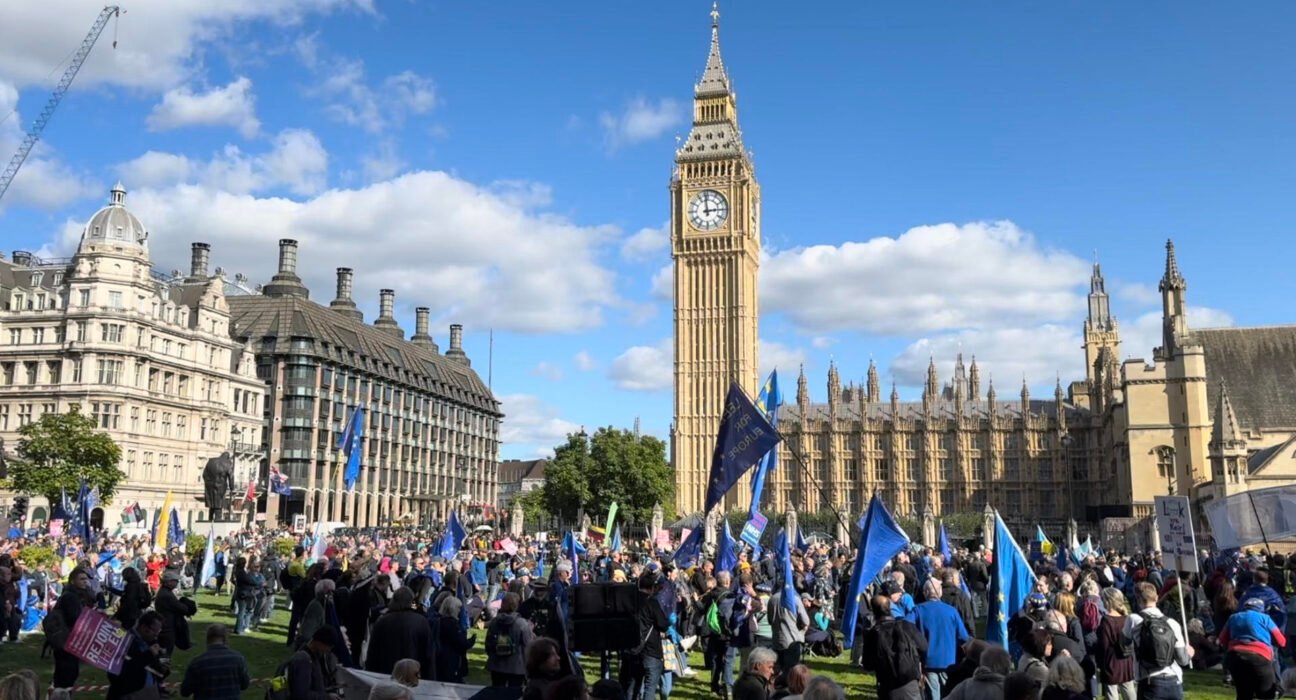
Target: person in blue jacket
x=945, y=631
x=1274, y=606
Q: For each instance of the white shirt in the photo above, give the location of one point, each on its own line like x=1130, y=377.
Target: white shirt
x=1132, y=624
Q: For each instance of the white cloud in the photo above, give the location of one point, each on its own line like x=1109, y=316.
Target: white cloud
x=159, y=42
x=1038, y=353
x=640, y=120
x=44, y=181
x=384, y=164
x=439, y=241
x=1138, y=293
x=774, y=355
x=646, y=244
x=940, y=277
x=645, y=367
x=233, y=105
x=532, y=422
x=823, y=342
x=296, y=161
x=547, y=370
x=352, y=100
x=585, y=362
x=663, y=283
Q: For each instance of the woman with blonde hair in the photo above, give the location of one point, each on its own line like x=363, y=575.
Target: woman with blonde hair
x=407, y=672
x=1115, y=657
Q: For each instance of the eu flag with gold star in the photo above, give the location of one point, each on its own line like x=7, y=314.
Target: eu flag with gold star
x=1011, y=580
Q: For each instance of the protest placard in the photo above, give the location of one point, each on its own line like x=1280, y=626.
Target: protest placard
x=99, y=641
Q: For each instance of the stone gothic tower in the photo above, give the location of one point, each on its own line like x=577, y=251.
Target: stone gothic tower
x=715, y=244
x=1228, y=449
x=1100, y=329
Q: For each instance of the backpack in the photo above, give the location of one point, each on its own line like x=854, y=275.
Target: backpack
x=277, y=688
x=713, y=618
x=55, y=628
x=897, y=654
x=499, y=641
x=1155, y=645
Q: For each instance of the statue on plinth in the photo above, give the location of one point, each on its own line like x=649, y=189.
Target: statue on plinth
x=218, y=483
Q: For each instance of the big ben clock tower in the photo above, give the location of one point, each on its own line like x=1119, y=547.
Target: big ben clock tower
x=715, y=245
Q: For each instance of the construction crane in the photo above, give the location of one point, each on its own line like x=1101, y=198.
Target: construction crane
x=78, y=58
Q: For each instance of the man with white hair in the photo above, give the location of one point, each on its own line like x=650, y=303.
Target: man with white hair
x=757, y=677
x=945, y=631
x=390, y=691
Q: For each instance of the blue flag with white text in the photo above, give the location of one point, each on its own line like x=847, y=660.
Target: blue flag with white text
x=1011, y=581
x=744, y=437
x=768, y=402
x=880, y=539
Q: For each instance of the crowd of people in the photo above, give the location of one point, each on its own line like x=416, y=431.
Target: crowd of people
x=398, y=605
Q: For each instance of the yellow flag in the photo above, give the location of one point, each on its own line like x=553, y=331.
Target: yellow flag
x=164, y=524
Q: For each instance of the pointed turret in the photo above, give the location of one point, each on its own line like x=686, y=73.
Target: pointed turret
x=1228, y=448
x=1172, y=279
x=1025, y=398
x=803, y=392
x=1100, y=317
x=895, y=400
x=1174, y=312
x=715, y=80
x=1059, y=405
x=974, y=381
x=991, y=396
x=932, y=386
x=715, y=130
x=874, y=388
x=1225, y=432
x=834, y=386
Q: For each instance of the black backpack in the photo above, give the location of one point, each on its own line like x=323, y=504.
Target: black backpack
x=1155, y=645
x=499, y=638
x=898, y=654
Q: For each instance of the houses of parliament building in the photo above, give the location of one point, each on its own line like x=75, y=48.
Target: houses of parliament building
x=1211, y=413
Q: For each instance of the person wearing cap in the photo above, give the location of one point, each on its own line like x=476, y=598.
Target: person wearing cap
x=173, y=611
x=901, y=603
x=312, y=670
x=1252, y=640
x=559, y=586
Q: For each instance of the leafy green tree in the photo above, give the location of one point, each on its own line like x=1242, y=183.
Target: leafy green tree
x=613, y=465
x=533, y=507
x=57, y=451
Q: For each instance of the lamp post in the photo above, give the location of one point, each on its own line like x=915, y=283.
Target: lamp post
x=1167, y=458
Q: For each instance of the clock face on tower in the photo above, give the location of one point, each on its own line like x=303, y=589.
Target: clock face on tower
x=708, y=210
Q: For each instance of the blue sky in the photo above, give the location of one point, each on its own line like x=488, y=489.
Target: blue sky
x=935, y=177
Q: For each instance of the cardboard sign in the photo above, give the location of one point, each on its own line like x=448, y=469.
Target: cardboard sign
x=99, y=641
x=1178, y=543
x=508, y=545
x=663, y=539
x=751, y=532
x=56, y=528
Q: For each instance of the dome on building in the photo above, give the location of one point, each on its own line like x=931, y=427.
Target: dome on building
x=114, y=223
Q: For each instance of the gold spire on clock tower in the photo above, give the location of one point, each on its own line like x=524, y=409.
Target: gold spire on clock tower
x=715, y=245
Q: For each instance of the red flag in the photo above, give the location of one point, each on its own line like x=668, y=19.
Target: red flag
x=250, y=497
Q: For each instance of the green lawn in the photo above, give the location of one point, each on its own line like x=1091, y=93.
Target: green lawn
x=265, y=650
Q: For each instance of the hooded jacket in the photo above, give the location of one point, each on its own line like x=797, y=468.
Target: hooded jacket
x=983, y=685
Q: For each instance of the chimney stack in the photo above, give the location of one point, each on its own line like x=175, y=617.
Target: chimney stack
x=286, y=283
x=385, y=320
x=456, y=345
x=22, y=258
x=343, y=304
x=198, y=260
x=421, y=336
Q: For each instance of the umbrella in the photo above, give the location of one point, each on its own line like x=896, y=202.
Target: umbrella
x=483, y=528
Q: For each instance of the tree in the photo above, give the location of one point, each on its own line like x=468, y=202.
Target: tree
x=533, y=507
x=614, y=465
x=60, y=449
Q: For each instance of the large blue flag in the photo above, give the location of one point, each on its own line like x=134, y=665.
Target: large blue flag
x=351, y=446
x=81, y=516
x=175, y=535
x=727, y=552
x=1011, y=580
x=453, y=538
x=63, y=509
x=946, y=555
x=744, y=437
x=572, y=550
x=880, y=539
x=768, y=402
x=782, y=552
x=690, y=550
x=801, y=544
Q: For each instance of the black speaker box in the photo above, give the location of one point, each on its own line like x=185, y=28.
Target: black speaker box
x=605, y=617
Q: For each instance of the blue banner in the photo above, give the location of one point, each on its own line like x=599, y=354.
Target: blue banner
x=880, y=539
x=1011, y=580
x=744, y=437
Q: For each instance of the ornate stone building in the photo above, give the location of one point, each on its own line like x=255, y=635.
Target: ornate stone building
x=1212, y=413
x=149, y=356
x=715, y=243
x=431, y=435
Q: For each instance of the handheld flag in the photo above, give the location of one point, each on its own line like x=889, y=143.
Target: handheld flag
x=727, y=554
x=616, y=539
x=350, y=446
x=801, y=544
x=1011, y=580
x=789, y=594
x=769, y=401
x=1046, y=545
x=209, y=558
x=163, y=529
x=318, y=545
x=279, y=482
x=744, y=437
x=572, y=549
x=175, y=536
x=62, y=510
x=690, y=550
x=612, y=512
x=946, y=554
x=250, y=496
x=453, y=538
x=880, y=539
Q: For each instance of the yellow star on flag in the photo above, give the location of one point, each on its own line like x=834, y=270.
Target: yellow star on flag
x=1001, y=597
x=1001, y=617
